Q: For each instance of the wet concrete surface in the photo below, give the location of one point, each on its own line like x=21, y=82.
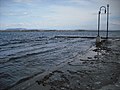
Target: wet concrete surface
x=99, y=68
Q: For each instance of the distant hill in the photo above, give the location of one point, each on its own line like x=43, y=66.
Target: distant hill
x=16, y=29
x=48, y=30
x=36, y=30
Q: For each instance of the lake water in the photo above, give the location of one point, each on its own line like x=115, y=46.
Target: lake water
x=24, y=55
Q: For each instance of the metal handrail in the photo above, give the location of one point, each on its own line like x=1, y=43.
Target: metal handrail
x=105, y=11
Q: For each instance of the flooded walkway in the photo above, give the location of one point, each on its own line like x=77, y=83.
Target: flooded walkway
x=97, y=69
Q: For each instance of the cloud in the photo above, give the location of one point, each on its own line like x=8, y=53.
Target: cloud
x=58, y=16
x=15, y=13
x=56, y=13
x=23, y=1
x=115, y=22
x=14, y=24
x=69, y=14
x=83, y=3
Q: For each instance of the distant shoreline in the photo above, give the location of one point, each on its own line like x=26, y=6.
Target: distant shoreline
x=56, y=31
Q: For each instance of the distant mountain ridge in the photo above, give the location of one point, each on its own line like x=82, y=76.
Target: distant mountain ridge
x=16, y=29
x=55, y=30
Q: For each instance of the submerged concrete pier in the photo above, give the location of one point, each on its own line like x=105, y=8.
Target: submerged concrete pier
x=97, y=69
x=89, y=37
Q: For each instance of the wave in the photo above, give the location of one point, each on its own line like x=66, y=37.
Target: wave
x=35, y=52
x=23, y=79
x=18, y=41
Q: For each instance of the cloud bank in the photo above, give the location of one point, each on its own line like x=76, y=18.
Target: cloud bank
x=57, y=14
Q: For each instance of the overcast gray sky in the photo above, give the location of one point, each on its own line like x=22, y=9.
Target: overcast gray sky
x=57, y=14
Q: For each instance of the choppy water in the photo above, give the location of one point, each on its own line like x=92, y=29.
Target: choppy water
x=26, y=54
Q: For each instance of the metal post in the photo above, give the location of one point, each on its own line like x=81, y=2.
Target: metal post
x=99, y=17
x=98, y=23
x=107, y=20
x=98, y=38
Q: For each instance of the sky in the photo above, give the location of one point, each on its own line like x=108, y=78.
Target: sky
x=58, y=14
